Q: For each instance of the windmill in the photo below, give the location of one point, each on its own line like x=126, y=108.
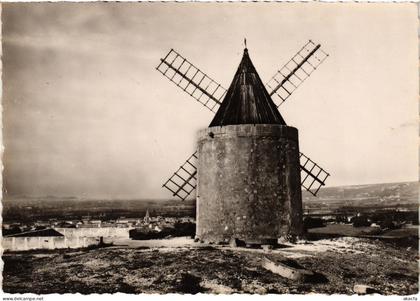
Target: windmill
x=236, y=111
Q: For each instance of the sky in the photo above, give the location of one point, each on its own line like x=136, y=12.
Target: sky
x=86, y=114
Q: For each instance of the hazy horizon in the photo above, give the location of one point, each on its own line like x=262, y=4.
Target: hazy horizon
x=177, y=199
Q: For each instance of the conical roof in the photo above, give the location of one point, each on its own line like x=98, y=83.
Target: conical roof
x=247, y=101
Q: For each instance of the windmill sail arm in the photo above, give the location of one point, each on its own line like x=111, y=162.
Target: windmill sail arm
x=313, y=176
x=183, y=181
x=295, y=72
x=191, y=80
x=298, y=66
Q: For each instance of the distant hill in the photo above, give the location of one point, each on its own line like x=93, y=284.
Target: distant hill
x=386, y=195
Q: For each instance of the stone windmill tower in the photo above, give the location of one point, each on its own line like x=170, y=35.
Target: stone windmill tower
x=248, y=174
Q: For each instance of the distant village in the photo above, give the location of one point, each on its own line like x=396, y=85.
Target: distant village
x=86, y=231
x=155, y=222
x=55, y=224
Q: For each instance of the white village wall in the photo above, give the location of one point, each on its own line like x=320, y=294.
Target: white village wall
x=47, y=242
x=95, y=232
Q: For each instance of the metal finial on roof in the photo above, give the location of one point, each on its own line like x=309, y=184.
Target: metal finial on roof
x=245, y=43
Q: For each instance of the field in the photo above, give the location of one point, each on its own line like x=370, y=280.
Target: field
x=187, y=267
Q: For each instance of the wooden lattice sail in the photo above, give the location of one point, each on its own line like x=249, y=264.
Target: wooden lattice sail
x=295, y=72
x=192, y=80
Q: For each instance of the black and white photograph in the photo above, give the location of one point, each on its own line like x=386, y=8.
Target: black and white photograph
x=217, y=148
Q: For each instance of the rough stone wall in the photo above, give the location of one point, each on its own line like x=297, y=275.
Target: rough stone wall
x=248, y=183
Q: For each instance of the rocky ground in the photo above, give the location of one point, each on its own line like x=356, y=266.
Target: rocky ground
x=186, y=267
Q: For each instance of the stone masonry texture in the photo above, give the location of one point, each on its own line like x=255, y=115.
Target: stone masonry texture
x=248, y=183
